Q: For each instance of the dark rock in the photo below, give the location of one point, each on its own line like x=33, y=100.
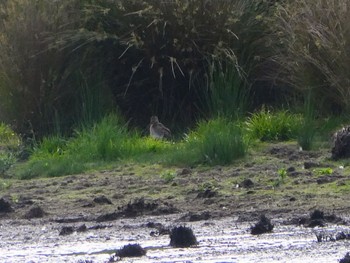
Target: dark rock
x=341, y=144
x=66, y=230
x=262, y=226
x=182, y=237
x=131, y=250
x=247, y=183
x=345, y=259
x=5, y=206
x=35, y=212
x=102, y=200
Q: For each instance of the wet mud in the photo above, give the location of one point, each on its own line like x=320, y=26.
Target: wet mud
x=89, y=217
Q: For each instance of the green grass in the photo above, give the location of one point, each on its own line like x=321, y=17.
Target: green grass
x=229, y=91
x=10, y=144
x=273, y=126
x=105, y=142
x=218, y=141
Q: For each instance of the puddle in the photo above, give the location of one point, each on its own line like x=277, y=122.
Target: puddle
x=222, y=240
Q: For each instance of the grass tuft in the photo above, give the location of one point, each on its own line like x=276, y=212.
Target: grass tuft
x=273, y=126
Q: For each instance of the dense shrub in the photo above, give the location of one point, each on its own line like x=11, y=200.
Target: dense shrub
x=61, y=62
x=42, y=88
x=314, y=51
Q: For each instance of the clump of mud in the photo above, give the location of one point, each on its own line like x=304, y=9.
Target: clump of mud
x=345, y=259
x=182, y=237
x=326, y=237
x=262, y=226
x=5, y=206
x=35, y=212
x=139, y=207
x=85, y=261
x=131, y=250
x=318, y=218
x=341, y=144
x=207, y=193
x=160, y=229
x=102, y=200
x=67, y=230
x=192, y=217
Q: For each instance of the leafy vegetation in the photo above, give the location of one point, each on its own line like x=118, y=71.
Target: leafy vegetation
x=273, y=126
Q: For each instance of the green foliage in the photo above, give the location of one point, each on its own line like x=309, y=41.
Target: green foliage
x=308, y=126
x=219, y=141
x=7, y=159
x=282, y=175
x=273, y=126
x=4, y=184
x=105, y=142
x=10, y=145
x=229, y=92
x=323, y=171
x=168, y=176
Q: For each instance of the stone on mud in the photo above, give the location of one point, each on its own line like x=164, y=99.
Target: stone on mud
x=182, y=237
x=131, y=250
x=5, y=206
x=262, y=226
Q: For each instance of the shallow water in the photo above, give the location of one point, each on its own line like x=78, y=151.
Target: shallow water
x=222, y=240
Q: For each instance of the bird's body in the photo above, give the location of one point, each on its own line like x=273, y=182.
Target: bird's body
x=157, y=130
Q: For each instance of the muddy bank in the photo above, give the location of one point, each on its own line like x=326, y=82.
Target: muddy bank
x=107, y=209
x=219, y=240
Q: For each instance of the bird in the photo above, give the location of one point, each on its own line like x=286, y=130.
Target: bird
x=157, y=130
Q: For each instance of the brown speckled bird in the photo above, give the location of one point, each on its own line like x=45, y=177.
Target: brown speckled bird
x=157, y=130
